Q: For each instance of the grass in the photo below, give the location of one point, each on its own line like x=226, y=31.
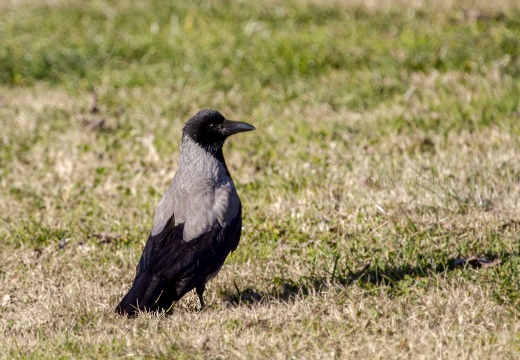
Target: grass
x=387, y=135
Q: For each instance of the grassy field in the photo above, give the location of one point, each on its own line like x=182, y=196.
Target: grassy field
x=387, y=147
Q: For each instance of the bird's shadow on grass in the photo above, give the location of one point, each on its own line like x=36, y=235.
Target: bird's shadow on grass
x=289, y=290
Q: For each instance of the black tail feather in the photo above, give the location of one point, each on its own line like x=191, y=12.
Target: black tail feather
x=145, y=291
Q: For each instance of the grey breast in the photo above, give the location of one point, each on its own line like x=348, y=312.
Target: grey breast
x=200, y=195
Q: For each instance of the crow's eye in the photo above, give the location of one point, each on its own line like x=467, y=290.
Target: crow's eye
x=213, y=126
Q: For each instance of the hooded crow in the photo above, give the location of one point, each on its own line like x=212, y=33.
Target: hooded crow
x=197, y=223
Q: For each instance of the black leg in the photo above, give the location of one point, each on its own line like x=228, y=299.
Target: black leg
x=200, y=291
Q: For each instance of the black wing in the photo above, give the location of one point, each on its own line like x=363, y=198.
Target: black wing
x=170, y=267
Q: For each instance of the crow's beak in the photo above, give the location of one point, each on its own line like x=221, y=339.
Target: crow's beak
x=230, y=127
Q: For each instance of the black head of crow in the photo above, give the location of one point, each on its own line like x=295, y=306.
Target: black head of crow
x=197, y=223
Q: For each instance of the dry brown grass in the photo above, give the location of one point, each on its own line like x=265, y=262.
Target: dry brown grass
x=455, y=318
x=66, y=296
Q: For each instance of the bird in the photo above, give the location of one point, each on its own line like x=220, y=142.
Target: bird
x=197, y=224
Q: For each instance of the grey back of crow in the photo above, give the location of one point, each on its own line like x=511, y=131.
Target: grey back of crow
x=197, y=223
